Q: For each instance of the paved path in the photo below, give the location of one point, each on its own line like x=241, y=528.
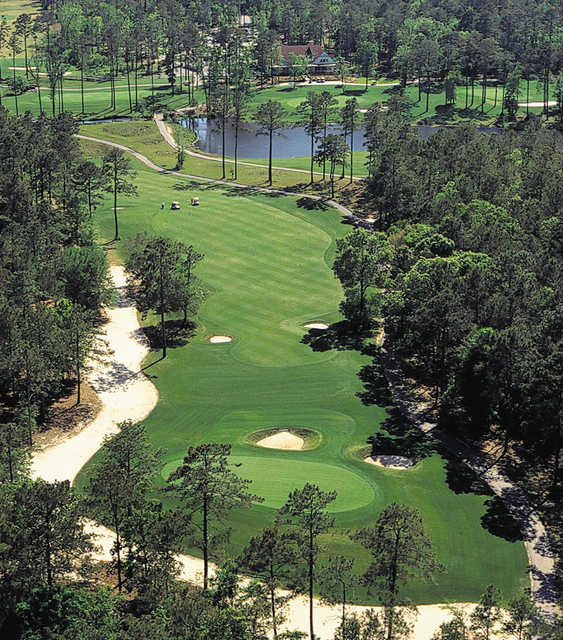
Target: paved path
x=167, y=135
x=536, y=541
x=540, y=555
x=238, y=185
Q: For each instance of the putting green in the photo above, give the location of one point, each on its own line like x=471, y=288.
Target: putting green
x=274, y=478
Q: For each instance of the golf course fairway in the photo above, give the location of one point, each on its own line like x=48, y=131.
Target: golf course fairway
x=267, y=267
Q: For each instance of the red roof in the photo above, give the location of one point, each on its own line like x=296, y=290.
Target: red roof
x=312, y=51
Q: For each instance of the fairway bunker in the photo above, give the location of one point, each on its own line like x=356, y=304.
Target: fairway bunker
x=316, y=325
x=390, y=461
x=220, y=339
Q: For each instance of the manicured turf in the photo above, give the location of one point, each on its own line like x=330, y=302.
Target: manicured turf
x=274, y=477
x=267, y=266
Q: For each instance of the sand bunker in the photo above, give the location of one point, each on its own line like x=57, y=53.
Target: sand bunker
x=316, y=325
x=282, y=440
x=390, y=462
x=220, y=339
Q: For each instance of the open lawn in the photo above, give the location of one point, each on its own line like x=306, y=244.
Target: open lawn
x=267, y=266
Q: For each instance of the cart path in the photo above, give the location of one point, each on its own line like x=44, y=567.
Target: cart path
x=167, y=135
x=540, y=555
x=238, y=185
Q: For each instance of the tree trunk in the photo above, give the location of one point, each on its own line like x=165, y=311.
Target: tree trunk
x=236, y=146
x=127, y=68
x=273, y=602
x=78, y=370
x=270, y=157
x=311, y=632
x=14, y=75
x=352, y=153
x=115, y=203
x=204, y=545
x=82, y=83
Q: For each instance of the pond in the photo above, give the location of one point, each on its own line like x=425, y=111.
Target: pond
x=287, y=143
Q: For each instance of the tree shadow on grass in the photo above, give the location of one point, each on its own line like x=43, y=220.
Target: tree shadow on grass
x=187, y=185
x=177, y=334
x=312, y=205
x=341, y=336
x=398, y=437
x=499, y=522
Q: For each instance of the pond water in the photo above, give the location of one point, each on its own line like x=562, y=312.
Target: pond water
x=287, y=143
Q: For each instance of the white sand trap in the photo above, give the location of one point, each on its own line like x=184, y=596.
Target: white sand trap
x=390, y=462
x=220, y=339
x=316, y=325
x=282, y=440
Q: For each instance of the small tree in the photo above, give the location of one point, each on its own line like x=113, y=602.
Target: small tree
x=118, y=168
x=456, y=628
x=120, y=480
x=272, y=556
x=305, y=510
x=337, y=579
x=271, y=117
x=161, y=272
x=520, y=618
x=400, y=550
x=312, y=121
x=14, y=451
x=209, y=489
x=360, y=263
x=342, y=69
x=297, y=65
x=487, y=614
x=332, y=149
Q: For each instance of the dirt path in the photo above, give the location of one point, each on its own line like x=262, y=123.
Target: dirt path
x=540, y=555
x=167, y=135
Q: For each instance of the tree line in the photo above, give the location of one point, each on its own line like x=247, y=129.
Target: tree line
x=464, y=276
x=202, y=44
x=43, y=540
x=54, y=275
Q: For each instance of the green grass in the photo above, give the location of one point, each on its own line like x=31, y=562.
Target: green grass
x=97, y=98
x=11, y=9
x=143, y=136
x=267, y=267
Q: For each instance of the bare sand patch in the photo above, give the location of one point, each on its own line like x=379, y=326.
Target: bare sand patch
x=316, y=325
x=282, y=440
x=219, y=339
x=390, y=462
